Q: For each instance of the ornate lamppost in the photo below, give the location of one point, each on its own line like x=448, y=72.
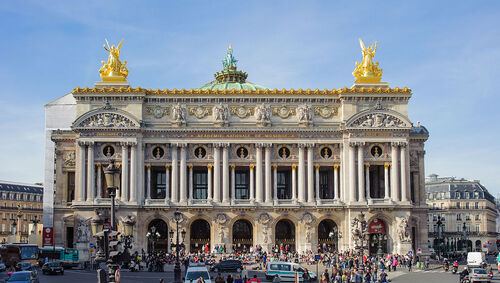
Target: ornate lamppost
x=108, y=243
x=380, y=238
x=360, y=233
x=35, y=222
x=335, y=234
x=177, y=268
x=439, y=224
x=466, y=244
x=153, y=236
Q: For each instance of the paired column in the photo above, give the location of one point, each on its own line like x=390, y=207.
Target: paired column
x=367, y=180
x=405, y=168
x=318, y=197
x=90, y=173
x=99, y=181
x=167, y=183
x=302, y=173
x=124, y=188
x=361, y=172
x=225, y=174
x=133, y=173
x=183, y=175
x=395, y=193
x=310, y=173
x=252, y=183
x=386, y=181
x=233, y=185
x=336, y=188
x=259, y=193
x=294, y=182
x=352, y=172
x=191, y=197
x=267, y=174
x=210, y=184
x=80, y=189
x=175, y=175
x=148, y=182
x=275, y=182
x=216, y=173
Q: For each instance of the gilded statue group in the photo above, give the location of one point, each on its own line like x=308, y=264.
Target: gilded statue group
x=368, y=71
x=114, y=69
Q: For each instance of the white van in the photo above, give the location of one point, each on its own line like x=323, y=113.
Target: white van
x=195, y=271
x=476, y=259
x=286, y=271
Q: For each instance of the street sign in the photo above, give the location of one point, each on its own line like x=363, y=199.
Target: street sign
x=48, y=236
x=317, y=257
x=419, y=250
x=91, y=245
x=91, y=250
x=117, y=276
x=410, y=252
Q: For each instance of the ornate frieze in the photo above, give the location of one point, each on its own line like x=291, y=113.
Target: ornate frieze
x=241, y=111
x=284, y=111
x=379, y=120
x=304, y=114
x=326, y=111
x=107, y=120
x=220, y=115
x=157, y=111
x=199, y=111
x=178, y=115
x=263, y=115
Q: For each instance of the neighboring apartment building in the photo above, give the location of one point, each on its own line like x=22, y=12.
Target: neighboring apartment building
x=460, y=203
x=20, y=207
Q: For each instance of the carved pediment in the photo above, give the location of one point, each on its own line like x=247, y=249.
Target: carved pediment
x=378, y=120
x=106, y=117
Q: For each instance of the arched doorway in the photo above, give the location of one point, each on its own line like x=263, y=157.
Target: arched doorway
x=284, y=234
x=242, y=235
x=157, y=236
x=328, y=235
x=377, y=230
x=199, y=232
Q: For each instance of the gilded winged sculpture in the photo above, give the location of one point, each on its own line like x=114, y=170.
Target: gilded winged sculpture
x=113, y=70
x=368, y=71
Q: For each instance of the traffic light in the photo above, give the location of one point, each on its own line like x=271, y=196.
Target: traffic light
x=115, y=249
x=101, y=246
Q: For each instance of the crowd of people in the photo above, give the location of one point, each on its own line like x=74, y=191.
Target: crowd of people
x=337, y=267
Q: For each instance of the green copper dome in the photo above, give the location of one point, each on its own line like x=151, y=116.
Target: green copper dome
x=230, y=78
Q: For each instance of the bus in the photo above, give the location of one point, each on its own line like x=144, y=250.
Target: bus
x=68, y=257
x=12, y=254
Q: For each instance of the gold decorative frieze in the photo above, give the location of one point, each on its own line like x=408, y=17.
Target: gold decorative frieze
x=200, y=111
x=345, y=90
x=326, y=111
x=157, y=111
x=242, y=111
x=284, y=111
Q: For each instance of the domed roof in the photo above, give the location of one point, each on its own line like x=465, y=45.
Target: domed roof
x=230, y=77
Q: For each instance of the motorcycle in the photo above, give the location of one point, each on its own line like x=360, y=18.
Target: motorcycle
x=465, y=280
x=132, y=266
x=454, y=269
x=446, y=267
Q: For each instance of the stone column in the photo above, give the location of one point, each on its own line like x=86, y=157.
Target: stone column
x=90, y=173
x=405, y=190
x=217, y=174
x=252, y=183
x=352, y=172
x=175, y=175
x=421, y=176
x=133, y=173
x=210, y=184
x=167, y=183
x=386, y=181
x=225, y=174
x=183, y=175
x=302, y=173
x=361, y=173
x=275, y=183
x=395, y=193
x=318, y=198
x=259, y=193
x=310, y=173
x=269, y=189
x=99, y=181
x=294, y=182
x=140, y=173
x=233, y=185
x=148, y=182
x=80, y=176
x=367, y=180
x=336, y=181
x=191, y=197
x=125, y=186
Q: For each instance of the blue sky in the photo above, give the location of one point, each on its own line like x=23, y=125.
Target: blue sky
x=445, y=51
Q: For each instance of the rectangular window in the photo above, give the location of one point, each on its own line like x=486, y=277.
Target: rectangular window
x=442, y=217
x=4, y=227
x=159, y=184
x=477, y=216
x=70, y=187
x=442, y=205
x=284, y=185
x=459, y=227
x=476, y=205
x=458, y=205
x=242, y=184
x=467, y=205
x=467, y=216
x=324, y=186
x=459, y=216
x=434, y=217
x=435, y=229
x=443, y=229
x=200, y=184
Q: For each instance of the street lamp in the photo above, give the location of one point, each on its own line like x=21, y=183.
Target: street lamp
x=380, y=237
x=439, y=224
x=177, y=268
x=35, y=224
x=153, y=236
x=466, y=245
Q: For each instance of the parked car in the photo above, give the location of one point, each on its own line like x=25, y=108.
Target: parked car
x=2, y=267
x=227, y=265
x=194, y=272
x=53, y=268
x=24, y=266
x=24, y=277
x=286, y=271
x=479, y=275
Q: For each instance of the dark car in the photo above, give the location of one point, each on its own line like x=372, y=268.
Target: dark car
x=227, y=265
x=24, y=266
x=53, y=268
x=24, y=277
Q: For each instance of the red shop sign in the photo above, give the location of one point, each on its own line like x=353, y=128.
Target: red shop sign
x=376, y=226
x=48, y=236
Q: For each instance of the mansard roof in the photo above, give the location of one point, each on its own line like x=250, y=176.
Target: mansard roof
x=6, y=186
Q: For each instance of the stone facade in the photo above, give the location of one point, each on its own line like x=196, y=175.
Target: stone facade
x=295, y=165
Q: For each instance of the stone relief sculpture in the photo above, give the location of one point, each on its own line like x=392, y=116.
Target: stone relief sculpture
x=178, y=115
x=263, y=115
x=404, y=230
x=221, y=235
x=308, y=219
x=378, y=120
x=304, y=114
x=220, y=114
x=69, y=159
x=264, y=218
x=221, y=219
x=83, y=231
x=265, y=236
x=107, y=120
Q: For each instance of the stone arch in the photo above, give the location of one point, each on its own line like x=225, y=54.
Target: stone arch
x=285, y=233
x=242, y=234
x=200, y=235
x=328, y=234
x=91, y=119
x=381, y=241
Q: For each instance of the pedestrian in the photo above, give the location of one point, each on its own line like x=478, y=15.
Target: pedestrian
x=244, y=274
x=229, y=279
x=238, y=279
x=254, y=280
x=323, y=279
x=306, y=275
x=219, y=279
x=276, y=279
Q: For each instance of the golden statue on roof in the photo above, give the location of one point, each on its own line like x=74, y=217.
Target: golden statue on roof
x=113, y=70
x=368, y=71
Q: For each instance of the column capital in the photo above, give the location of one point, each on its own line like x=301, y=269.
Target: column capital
x=335, y=166
x=167, y=167
x=233, y=167
x=190, y=166
x=275, y=167
x=148, y=167
x=220, y=145
x=263, y=145
x=98, y=165
x=399, y=143
x=180, y=145
x=118, y=165
x=367, y=166
x=304, y=145
x=387, y=165
x=317, y=167
x=209, y=167
x=251, y=166
x=81, y=143
x=294, y=167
